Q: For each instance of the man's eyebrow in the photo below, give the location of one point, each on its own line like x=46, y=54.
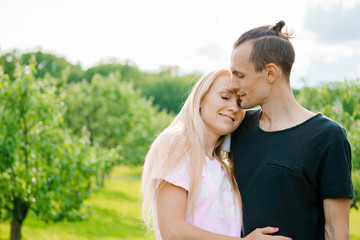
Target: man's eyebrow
x=235, y=72
x=231, y=90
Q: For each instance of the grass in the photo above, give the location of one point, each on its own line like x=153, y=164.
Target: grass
x=113, y=213
x=355, y=224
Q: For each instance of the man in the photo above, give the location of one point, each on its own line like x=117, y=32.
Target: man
x=293, y=167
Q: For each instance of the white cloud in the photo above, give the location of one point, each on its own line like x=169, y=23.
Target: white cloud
x=334, y=25
x=195, y=35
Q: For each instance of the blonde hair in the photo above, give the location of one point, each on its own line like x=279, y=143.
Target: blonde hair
x=185, y=135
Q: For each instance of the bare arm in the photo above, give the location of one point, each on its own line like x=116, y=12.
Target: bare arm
x=337, y=212
x=171, y=209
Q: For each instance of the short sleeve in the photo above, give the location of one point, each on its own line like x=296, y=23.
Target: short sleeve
x=180, y=176
x=226, y=147
x=335, y=171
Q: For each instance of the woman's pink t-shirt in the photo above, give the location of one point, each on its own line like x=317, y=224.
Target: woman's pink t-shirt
x=215, y=209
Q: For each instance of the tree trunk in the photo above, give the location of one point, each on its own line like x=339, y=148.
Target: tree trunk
x=89, y=185
x=102, y=179
x=98, y=180
x=353, y=204
x=19, y=213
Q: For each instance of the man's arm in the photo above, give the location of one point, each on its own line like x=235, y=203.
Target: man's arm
x=337, y=213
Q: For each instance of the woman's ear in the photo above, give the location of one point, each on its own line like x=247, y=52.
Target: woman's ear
x=272, y=72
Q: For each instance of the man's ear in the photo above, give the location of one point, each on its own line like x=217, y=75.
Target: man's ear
x=272, y=72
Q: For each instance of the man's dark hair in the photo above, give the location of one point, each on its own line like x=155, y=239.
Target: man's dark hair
x=269, y=45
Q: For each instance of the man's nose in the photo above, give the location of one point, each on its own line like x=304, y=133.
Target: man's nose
x=235, y=83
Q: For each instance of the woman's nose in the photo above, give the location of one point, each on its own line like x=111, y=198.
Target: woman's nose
x=234, y=106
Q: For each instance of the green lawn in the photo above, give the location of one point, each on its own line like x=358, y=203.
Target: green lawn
x=114, y=213
x=355, y=224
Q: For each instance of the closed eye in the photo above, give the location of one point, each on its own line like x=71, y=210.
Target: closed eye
x=238, y=74
x=241, y=76
x=226, y=98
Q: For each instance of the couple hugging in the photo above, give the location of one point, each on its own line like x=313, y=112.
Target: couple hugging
x=275, y=172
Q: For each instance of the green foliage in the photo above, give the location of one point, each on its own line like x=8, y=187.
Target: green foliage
x=116, y=116
x=53, y=65
x=8, y=62
x=55, y=135
x=356, y=182
x=42, y=166
x=46, y=64
x=167, y=88
x=169, y=92
x=339, y=101
x=128, y=72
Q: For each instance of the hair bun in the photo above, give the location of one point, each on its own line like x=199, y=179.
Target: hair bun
x=279, y=26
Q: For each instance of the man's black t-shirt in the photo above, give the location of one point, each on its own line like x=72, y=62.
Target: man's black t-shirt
x=283, y=176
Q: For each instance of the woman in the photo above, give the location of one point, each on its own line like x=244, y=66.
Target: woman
x=187, y=183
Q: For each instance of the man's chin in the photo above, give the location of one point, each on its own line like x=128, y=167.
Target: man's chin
x=244, y=105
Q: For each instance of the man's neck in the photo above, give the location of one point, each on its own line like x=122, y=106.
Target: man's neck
x=282, y=111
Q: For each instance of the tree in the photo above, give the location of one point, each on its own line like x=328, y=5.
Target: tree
x=46, y=63
x=42, y=167
x=169, y=93
x=128, y=72
x=118, y=118
x=167, y=88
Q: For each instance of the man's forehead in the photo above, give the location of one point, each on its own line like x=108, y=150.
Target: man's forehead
x=241, y=53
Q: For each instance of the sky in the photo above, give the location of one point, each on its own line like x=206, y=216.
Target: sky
x=195, y=35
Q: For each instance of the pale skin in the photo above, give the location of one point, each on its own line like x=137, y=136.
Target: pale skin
x=271, y=90
x=171, y=200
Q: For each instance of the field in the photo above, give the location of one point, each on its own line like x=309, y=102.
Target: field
x=114, y=213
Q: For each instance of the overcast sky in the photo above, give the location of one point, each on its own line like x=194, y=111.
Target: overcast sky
x=196, y=35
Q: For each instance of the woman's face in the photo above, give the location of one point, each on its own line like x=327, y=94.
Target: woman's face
x=220, y=108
